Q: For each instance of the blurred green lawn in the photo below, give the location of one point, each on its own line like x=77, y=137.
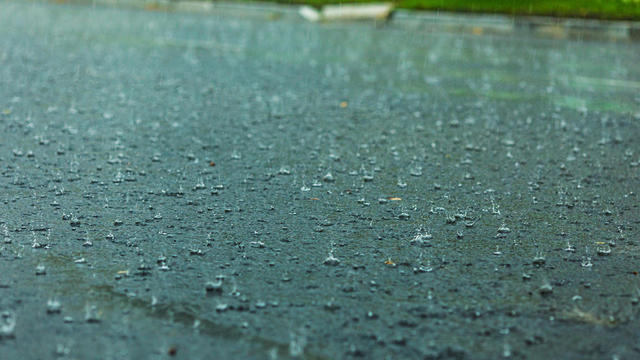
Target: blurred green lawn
x=601, y=9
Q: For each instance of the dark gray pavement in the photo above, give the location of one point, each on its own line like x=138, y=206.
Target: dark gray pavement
x=228, y=187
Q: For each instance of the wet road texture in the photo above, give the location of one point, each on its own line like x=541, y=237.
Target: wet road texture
x=193, y=186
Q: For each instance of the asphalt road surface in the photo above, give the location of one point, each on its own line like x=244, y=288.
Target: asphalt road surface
x=242, y=187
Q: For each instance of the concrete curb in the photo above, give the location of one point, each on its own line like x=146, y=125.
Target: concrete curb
x=367, y=11
x=477, y=24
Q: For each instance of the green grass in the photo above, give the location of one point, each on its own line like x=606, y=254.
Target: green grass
x=600, y=9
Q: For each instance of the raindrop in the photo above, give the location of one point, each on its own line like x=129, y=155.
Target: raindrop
x=37, y=245
x=570, y=248
x=73, y=220
x=331, y=260
x=5, y=234
x=196, y=252
x=91, y=314
x=212, y=287
x=416, y=171
x=328, y=178
x=41, y=270
x=62, y=350
x=422, y=239
x=297, y=343
x=545, y=289
x=200, y=185
x=470, y=224
x=506, y=351
x=331, y=305
x=118, y=178
x=164, y=267
x=53, y=306
x=539, y=260
x=423, y=268
x=635, y=300
x=7, y=324
x=284, y=171
x=603, y=250
x=257, y=244
x=162, y=263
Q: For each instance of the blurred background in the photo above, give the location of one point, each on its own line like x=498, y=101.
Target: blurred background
x=599, y=9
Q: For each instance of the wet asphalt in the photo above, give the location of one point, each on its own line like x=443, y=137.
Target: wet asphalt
x=224, y=187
